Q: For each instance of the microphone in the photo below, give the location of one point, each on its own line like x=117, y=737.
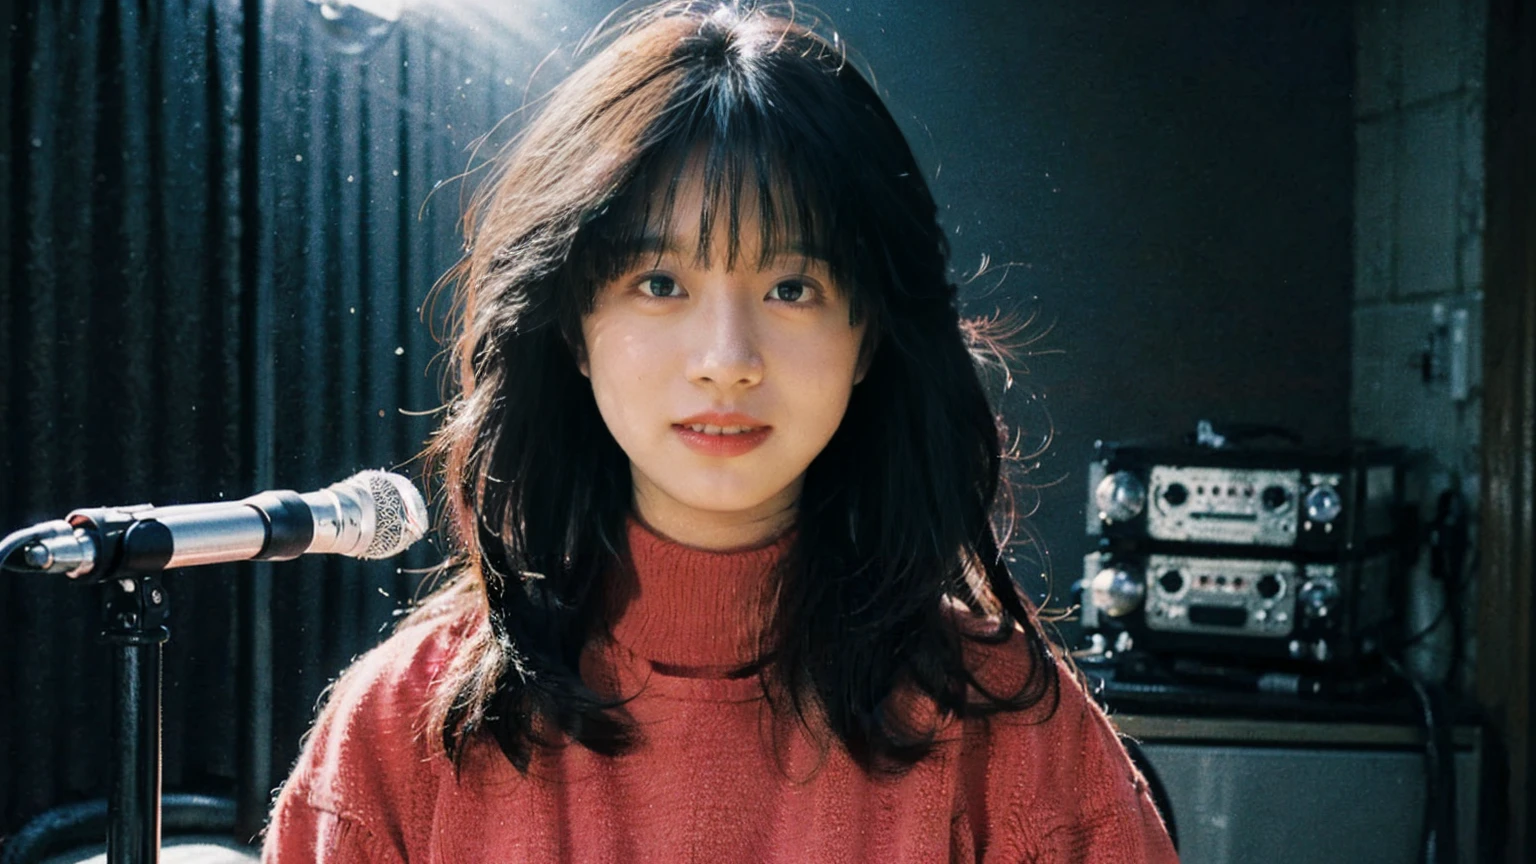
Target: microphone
x=372, y=514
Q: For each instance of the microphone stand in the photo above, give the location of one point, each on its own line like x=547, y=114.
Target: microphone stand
x=367, y=515
x=135, y=608
x=128, y=556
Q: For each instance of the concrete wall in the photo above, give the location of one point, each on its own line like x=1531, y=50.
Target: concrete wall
x=1418, y=253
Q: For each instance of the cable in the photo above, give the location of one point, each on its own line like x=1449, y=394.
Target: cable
x=1447, y=538
x=1448, y=541
x=1439, y=834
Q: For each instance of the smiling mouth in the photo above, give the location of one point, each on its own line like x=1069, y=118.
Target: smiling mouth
x=721, y=441
x=707, y=429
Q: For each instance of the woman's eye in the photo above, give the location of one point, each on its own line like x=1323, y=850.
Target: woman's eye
x=659, y=286
x=789, y=291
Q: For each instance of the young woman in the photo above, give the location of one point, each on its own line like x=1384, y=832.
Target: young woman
x=722, y=473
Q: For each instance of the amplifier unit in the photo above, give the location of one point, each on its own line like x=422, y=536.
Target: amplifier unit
x=1311, y=611
x=1323, y=503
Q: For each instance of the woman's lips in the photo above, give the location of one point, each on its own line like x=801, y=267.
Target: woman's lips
x=721, y=444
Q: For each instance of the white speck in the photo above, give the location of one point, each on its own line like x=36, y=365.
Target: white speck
x=349, y=178
x=406, y=63
x=298, y=157
x=352, y=309
x=507, y=81
x=399, y=351
x=396, y=172
x=37, y=142
x=469, y=80
x=382, y=592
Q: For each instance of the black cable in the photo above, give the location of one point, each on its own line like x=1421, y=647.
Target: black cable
x=1447, y=538
x=1432, y=626
x=1439, y=832
x=1448, y=541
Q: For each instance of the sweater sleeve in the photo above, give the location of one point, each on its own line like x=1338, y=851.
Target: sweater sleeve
x=364, y=784
x=1054, y=783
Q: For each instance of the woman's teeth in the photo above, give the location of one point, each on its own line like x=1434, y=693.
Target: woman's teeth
x=720, y=430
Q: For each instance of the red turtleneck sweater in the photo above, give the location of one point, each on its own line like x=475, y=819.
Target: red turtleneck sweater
x=717, y=777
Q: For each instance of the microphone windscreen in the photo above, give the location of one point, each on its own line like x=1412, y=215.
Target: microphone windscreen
x=400, y=513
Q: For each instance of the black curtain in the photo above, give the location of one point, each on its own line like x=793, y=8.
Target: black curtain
x=221, y=224
x=125, y=320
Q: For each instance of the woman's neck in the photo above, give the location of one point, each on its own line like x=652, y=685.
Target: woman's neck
x=714, y=530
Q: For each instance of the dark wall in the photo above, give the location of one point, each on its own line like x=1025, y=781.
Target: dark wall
x=219, y=229
x=1172, y=181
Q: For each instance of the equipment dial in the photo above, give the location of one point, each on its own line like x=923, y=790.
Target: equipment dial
x=1117, y=591
x=1120, y=496
x=1318, y=598
x=1323, y=504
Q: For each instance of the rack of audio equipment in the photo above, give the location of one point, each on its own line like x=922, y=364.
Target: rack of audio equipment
x=1287, y=559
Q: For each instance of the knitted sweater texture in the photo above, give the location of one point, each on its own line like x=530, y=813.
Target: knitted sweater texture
x=717, y=776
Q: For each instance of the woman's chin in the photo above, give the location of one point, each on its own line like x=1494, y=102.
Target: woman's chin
x=718, y=495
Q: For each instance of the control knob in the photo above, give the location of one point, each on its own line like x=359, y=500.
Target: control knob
x=1318, y=597
x=1120, y=496
x=1323, y=504
x=1117, y=591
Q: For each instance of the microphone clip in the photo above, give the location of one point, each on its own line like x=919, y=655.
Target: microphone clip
x=94, y=544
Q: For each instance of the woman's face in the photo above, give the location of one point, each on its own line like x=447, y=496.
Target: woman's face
x=721, y=385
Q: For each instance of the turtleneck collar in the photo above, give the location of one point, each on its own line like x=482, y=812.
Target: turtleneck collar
x=692, y=612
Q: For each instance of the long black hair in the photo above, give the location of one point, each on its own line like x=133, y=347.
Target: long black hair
x=895, y=521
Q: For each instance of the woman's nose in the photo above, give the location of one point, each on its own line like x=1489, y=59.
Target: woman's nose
x=726, y=351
